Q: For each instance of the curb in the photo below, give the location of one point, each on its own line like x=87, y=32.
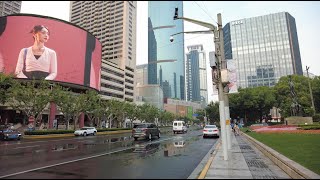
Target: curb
x=293, y=169
x=207, y=166
x=201, y=168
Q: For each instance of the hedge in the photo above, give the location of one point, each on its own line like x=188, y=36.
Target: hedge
x=45, y=132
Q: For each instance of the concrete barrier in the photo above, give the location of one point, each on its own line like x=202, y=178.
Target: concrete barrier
x=293, y=169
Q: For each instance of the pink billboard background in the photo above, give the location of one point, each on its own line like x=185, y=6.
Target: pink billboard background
x=68, y=41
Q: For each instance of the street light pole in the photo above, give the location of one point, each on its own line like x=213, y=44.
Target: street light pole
x=312, y=103
x=218, y=41
x=219, y=46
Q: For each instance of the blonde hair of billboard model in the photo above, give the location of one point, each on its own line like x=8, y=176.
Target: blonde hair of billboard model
x=37, y=61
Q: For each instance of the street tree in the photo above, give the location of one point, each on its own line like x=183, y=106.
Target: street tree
x=212, y=111
x=30, y=96
x=6, y=82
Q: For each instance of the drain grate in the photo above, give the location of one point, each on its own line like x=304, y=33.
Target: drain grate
x=266, y=177
x=256, y=164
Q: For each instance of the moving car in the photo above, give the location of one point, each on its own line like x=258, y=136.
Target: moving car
x=86, y=131
x=179, y=126
x=8, y=133
x=211, y=130
x=145, y=130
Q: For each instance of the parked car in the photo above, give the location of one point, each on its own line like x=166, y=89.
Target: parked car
x=85, y=131
x=211, y=130
x=8, y=133
x=145, y=130
x=179, y=126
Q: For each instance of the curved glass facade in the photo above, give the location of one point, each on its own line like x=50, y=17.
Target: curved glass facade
x=170, y=75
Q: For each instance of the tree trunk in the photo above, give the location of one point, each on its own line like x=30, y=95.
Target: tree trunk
x=75, y=122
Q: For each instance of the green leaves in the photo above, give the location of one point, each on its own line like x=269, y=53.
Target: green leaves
x=257, y=102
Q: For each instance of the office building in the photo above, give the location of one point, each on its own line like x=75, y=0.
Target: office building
x=265, y=48
x=142, y=74
x=196, y=74
x=9, y=7
x=114, y=24
x=169, y=74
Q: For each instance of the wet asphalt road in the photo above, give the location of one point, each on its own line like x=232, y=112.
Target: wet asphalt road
x=110, y=156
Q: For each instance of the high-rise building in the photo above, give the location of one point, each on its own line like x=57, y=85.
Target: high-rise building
x=265, y=48
x=9, y=7
x=142, y=74
x=170, y=72
x=196, y=74
x=114, y=24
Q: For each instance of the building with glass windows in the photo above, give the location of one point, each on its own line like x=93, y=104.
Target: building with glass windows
x=114, y=24
x=168, y=74
x=264, y=47
x=9, y=7
x=196, y=74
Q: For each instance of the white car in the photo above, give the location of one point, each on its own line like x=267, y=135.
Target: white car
x=85, y=131
x=211, y=130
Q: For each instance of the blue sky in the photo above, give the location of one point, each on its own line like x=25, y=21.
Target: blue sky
x=306, y=14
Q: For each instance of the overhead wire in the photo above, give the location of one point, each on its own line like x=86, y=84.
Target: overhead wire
x=205, y=11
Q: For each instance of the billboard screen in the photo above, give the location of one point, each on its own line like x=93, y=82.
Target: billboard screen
x=42, y=47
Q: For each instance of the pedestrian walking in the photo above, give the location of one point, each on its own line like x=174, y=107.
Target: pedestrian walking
x=236, y=129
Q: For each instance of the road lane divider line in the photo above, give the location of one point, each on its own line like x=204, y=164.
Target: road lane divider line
x=25, y=147
x=75, y=160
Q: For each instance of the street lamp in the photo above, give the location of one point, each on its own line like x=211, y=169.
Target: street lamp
x=219, y=51
x=162, y=27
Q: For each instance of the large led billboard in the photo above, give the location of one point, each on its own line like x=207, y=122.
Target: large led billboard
x=33, y=46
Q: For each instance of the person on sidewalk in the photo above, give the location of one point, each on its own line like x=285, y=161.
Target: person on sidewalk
x=236, y=129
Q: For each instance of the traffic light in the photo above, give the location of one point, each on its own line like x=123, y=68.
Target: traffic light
x=175, y=14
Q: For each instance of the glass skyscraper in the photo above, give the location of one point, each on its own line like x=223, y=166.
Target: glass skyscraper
x=265, y=48
x=196, y=74
x=170, y=74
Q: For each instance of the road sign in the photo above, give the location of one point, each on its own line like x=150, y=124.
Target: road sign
x=228, y=122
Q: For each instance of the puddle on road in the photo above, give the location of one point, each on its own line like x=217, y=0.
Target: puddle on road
x=63, y=147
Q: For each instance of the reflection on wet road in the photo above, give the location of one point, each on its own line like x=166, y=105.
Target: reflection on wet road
x=116, y=156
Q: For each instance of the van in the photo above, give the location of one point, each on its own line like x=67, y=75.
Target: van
x=179, y=126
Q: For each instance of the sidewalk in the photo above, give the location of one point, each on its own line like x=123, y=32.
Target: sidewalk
x=244, y=162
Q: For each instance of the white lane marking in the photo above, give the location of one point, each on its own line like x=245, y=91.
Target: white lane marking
x=67, y=162
x=25, y=147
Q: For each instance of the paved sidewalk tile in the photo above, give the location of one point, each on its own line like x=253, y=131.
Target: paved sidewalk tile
x=234, y=168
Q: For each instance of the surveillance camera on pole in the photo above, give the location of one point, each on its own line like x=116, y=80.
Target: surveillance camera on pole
x=171, y=39
x=175, y=14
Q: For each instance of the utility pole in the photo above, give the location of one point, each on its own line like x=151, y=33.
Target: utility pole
x=216, y=67
x=312, y=103
x=219, y=46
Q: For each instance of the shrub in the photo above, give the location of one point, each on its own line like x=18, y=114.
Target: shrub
x=316, y=118
x=45, y=132
x=112, y=129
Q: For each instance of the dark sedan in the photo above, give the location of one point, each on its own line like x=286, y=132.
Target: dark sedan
x=7, y=134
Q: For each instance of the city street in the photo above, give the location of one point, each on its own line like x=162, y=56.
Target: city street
x=108, y=156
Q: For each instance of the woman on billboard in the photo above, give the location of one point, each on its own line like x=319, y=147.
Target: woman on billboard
x=37, y=61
